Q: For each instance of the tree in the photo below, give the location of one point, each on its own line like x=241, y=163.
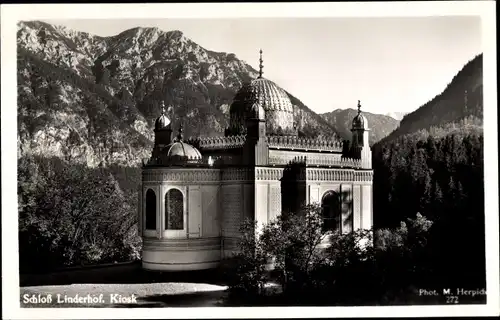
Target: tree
x=426, y=197
x=246, y=270
x=449, y=189
x=292, y=239
x=73, y=215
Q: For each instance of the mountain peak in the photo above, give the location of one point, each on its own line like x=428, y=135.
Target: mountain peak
x=148, y=29
x=341, y=120
x=396, y=115
x=175, y=33
x=118, y=81
x=450, y=106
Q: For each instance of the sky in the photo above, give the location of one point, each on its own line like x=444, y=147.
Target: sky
x=393, y=64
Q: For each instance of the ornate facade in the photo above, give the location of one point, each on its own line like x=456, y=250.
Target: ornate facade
x=194, y=194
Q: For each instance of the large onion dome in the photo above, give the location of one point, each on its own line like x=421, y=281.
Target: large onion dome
x=359, y=122
x=262, y=99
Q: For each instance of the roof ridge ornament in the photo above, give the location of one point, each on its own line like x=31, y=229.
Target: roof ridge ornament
x=359, y=107
x=261, y=66
x=180, y=135
x=162, y=104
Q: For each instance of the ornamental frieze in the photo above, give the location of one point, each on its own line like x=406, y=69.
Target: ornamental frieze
x=187, y=175
x=237, y=174
x=244, y=174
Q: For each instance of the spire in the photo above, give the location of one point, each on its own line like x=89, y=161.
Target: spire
x=359, y=107
x=180, y=135
x=261, y=66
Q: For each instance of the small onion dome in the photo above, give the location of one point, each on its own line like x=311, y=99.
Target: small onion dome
x=359, y=121
x=182, y=149
x=163, y=122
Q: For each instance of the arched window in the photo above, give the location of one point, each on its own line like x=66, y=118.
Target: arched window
x=330, y=205
x=174, y=210
x=150, y=210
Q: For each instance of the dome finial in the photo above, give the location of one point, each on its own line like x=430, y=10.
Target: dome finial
x=261, y=66
x=162, y=103
x=359, y=107
x=180, y=135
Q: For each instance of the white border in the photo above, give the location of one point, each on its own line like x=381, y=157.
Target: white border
x=10, y=14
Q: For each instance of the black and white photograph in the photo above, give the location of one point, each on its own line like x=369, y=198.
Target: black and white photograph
x=219, y=159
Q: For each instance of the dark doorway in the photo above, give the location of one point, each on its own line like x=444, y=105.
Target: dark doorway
x=150, y=210
x=174, y=209
x=293, y=188
x=330, y=204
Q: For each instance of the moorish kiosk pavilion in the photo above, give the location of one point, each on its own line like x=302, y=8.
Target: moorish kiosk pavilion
x=194, y=194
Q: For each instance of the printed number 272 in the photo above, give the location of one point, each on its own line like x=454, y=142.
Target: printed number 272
x=452, y=299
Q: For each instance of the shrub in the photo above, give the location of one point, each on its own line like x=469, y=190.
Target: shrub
x=245, y=270
x=386, y=239
x=292, y=240
x=402, y=254
x=357, y=267
x=347, y=273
